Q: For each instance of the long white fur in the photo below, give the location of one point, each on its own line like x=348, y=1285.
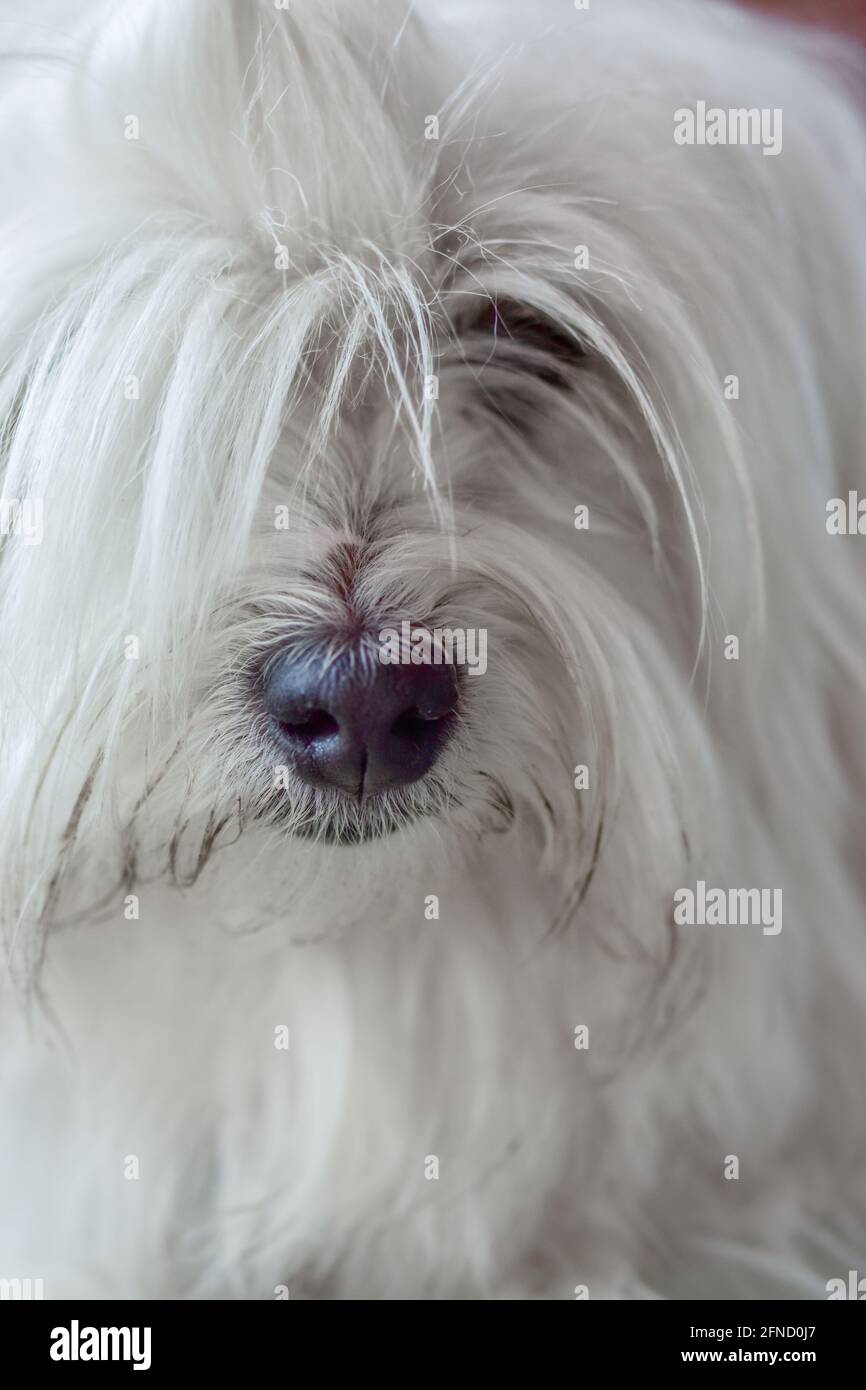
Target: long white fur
x=264, y=132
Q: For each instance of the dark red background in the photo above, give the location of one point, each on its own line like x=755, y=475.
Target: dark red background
x=846, y=15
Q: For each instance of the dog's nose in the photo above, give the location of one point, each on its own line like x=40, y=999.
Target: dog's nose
x=354, y=723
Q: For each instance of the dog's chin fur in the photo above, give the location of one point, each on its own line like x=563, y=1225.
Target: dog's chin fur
x=242, y=314
x=342, y=822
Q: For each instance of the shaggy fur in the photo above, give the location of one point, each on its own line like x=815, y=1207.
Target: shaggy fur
x=248, y=307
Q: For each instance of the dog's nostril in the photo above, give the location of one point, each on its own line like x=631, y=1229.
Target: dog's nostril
x=361, y=726
x=416, y=723
x=311, y=724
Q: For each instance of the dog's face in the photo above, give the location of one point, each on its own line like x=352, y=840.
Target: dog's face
x=346, y=383
x=480, y=422
x=331, y=732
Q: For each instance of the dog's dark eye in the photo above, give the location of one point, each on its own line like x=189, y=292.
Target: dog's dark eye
x=545, y=345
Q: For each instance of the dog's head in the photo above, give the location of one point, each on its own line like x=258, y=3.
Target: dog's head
x=365, y=396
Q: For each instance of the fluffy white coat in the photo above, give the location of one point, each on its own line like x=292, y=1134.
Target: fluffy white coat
x=241, y=270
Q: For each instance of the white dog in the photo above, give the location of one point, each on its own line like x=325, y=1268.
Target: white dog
x=539, y=972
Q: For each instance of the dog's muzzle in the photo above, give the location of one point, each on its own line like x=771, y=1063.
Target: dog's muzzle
x=351, y=723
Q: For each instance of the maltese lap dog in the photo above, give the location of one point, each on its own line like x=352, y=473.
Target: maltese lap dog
x=434, y=652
